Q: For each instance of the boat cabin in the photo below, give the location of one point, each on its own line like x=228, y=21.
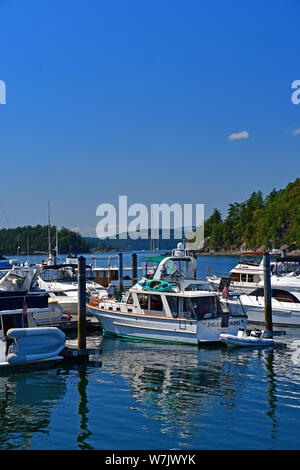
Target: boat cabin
x=64, y=272
x=110, y=275
x=192, y=305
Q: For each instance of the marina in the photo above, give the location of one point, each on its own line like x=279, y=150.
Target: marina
x=149, y=231
x=173, y=392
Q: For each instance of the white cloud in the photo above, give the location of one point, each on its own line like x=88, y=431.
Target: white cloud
x=239, y=135
x=296, y=131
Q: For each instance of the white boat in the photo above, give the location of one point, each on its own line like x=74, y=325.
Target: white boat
x=61, y=284
x=246, y=339
x=170, y=307
x=285, y=307
x=248, y=275
x=17, y=282
x=21, y=340
x=19, y=277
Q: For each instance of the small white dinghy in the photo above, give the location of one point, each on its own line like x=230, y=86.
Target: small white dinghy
x=246, y=338
x=35, y=344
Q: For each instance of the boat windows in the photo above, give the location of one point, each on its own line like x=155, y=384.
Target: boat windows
x=278, y=294
x=250, y=277
x=180, y=307
x=236, y=277
x=244, y=277
x=284, y=296
x=130, y=299
x=14, y=321
x=173, y=303
x=143, y=301
x=150, y=302
x=257, y=292
x=156, y=303
x=171, y=269
x=204, y=307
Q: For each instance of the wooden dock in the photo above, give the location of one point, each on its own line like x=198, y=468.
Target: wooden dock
x=71, y=325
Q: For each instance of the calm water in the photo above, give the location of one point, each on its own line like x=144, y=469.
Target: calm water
x=139, y=395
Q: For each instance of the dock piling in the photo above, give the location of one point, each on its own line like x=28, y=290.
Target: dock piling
x=120, y=272
x=133, y=269
x=267, y=293
x=81, y=303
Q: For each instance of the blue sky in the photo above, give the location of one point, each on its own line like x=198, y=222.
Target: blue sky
x=138, y=98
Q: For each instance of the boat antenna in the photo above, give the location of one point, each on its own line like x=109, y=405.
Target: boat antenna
x=27, y=250
x=56, y=246
x=49, y=230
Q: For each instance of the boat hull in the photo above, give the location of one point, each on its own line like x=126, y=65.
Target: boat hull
x=163, y=329
x=281, y=316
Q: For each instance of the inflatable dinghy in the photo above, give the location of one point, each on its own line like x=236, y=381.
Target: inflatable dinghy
x=253, y=339
x=34, y=344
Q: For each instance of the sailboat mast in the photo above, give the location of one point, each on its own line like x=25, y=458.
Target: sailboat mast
x=49, y=230
x=56, y=247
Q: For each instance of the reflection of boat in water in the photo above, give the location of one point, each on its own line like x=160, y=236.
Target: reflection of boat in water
x=27, y=404
x=171, y=382
x=192, y=396
x=172, y=306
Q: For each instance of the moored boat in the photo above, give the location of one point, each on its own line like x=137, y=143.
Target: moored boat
x=248, y=274
x=172, y=306
x=285, y=307
x=21, y=340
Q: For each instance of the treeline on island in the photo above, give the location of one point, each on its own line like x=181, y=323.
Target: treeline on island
x=35, y=240
x=258, y=223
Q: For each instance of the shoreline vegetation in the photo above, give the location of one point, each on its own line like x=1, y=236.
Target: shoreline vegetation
x=257, y=224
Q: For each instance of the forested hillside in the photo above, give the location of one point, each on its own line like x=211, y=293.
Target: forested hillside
x=259, y=222
x=36, y=238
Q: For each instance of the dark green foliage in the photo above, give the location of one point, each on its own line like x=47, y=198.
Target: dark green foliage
x=12, y=238
x=258, y=222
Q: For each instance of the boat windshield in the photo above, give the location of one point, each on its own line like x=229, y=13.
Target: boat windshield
x=64, y=274
x=180, y=307
x=205, y=307
x=9, y=321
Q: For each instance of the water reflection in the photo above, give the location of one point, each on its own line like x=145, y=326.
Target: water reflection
x=271, y=391
x=174, y=397
x=177, y=384
x=26, y=402
x=185, y=390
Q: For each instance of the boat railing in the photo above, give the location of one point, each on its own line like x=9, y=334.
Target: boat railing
x=214, y=272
